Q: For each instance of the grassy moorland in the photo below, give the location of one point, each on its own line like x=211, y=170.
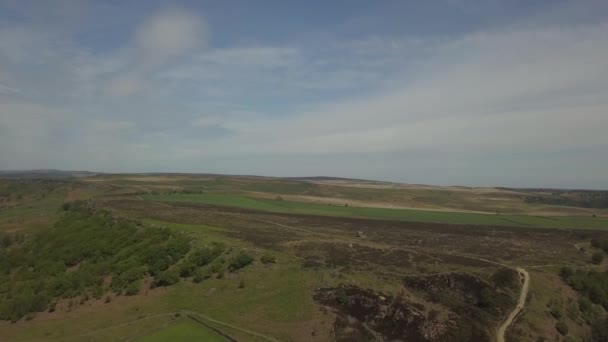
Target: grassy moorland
x=127, y=264
x=360, y=193
x=282, y=206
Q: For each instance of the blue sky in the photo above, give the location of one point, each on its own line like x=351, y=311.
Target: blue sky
x=452, y=92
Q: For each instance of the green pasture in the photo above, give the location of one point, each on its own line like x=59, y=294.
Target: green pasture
x=186, y=330
x=281, y=206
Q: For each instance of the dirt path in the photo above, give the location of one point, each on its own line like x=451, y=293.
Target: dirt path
x=231, y=326
x=500, y=333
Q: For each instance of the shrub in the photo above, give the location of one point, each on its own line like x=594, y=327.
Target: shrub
x=341, y=297
x=97, y=292
x=597, y=258
x=573, y=312
x=133, y=288
x=566, y=272
x=601, y=244
x=505, y=278
x=486, y=298
x=268, y=259
x=584, y=304
x=126, y=278
x=206, y=255
x=217, y=266
x=200, y=275
x=186, y=269
x=241, y=260
x=556, y=312
x=242, y=284
x=599, y=329
x=167, y=278
x=562, y=328
x=6, y=240
x=77, y=205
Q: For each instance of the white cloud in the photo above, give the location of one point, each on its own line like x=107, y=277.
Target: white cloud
x=112, y=126
x=170, y=33
x=160, y=38
x=208, y=121
x=4, y=89
x=252, y=57
x=235, y=120
x=125, y=85
x=496, y=91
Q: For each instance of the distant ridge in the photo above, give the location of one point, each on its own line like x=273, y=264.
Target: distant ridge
x=44, y=174
x=339, y=179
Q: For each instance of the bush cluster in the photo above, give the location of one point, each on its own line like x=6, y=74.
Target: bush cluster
x=593, y=285
x=72, y=259
x=239, y=261
x=602, y=244
x=200, y=257
x=562, y=327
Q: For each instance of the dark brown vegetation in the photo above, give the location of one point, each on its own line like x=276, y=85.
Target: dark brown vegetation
x=476, y=304
x=525, y=246
x=365, y=314
x=469, y=308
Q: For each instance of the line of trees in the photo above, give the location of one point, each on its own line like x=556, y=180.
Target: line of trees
x=583, y=199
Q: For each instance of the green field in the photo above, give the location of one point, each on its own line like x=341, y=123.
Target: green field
x=573, y=222
x=184, y=331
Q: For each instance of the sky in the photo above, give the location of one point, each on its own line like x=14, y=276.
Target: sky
x=447, y=92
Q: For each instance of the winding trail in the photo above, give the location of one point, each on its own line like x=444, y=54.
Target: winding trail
x=500, y=333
